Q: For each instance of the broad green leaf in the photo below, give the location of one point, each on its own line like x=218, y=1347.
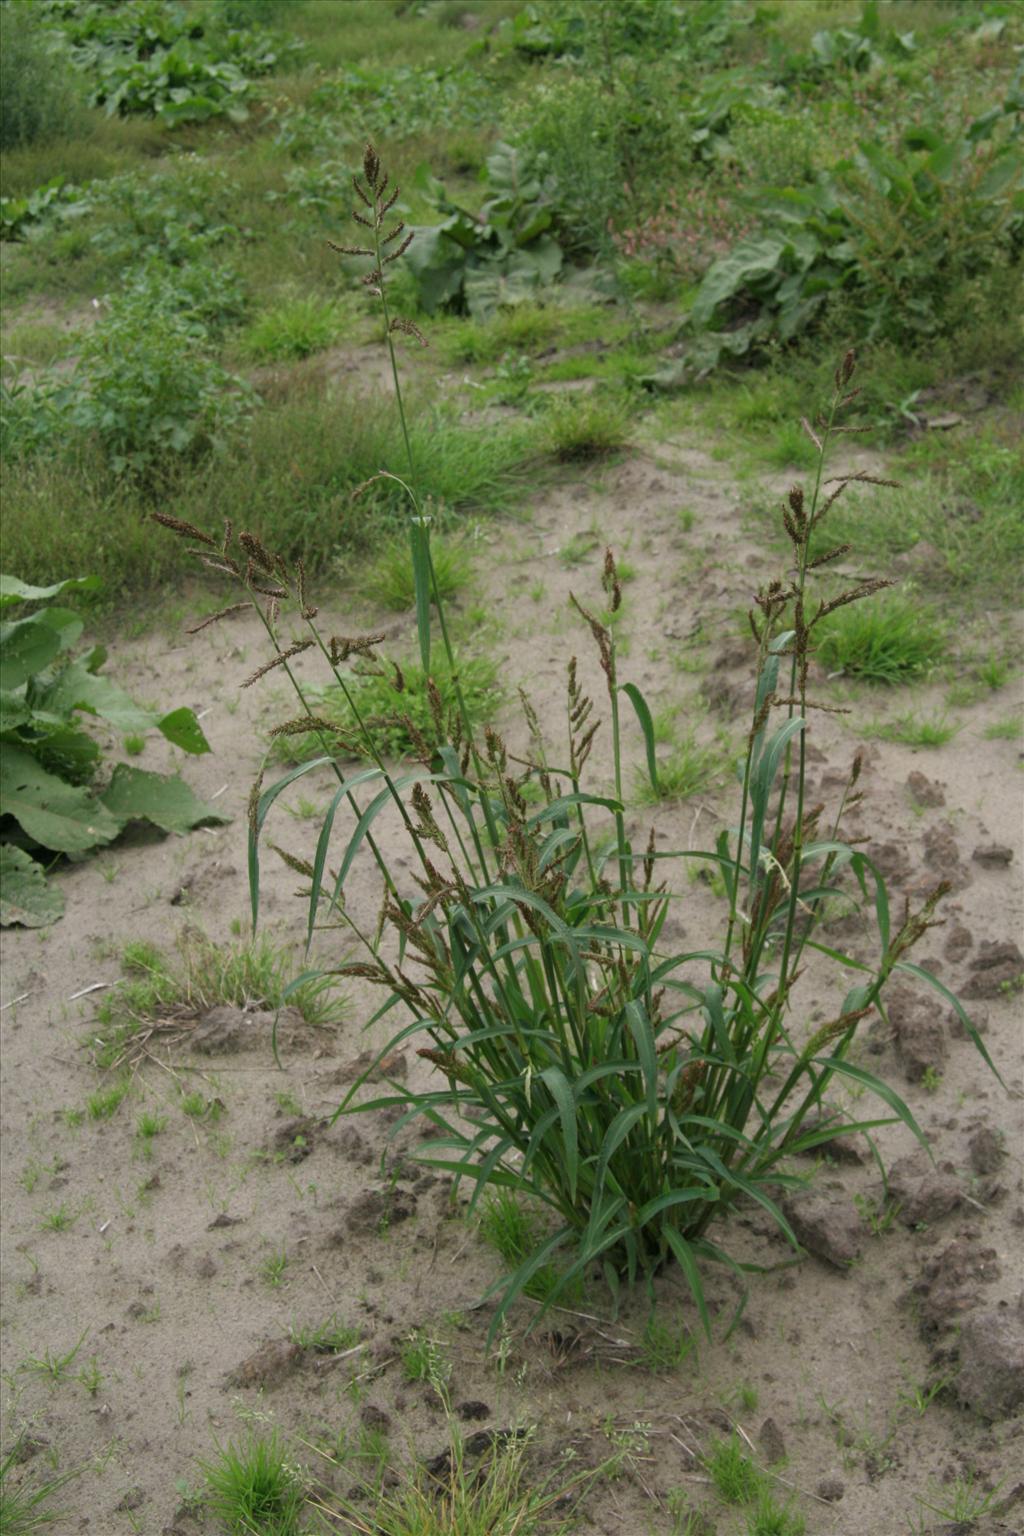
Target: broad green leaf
x=688, y=1264
x=78, y=686
x=14, y=591
x=64, y=817
x=26, y=647
x=182, y=729
x=135, y=794
x=747, y=262
x=25, y=896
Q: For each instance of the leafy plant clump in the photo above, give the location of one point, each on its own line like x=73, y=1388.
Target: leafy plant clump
x=51, y=799
x=633, y=1093
x=894, y=231
x=475, y=263
x=176, y=62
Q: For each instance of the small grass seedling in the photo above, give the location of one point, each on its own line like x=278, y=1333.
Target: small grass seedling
x=769, y=1518
x=135, y=745
x=148, y=1125
x=56, y=1367
x=736, y=1477
x=962, y=1501
x=423, y=1359
x=274, y=1268
x=913, y=730
x=663, y=1348
x=61, y=1219
x=330, y=1337
x=104, y=1104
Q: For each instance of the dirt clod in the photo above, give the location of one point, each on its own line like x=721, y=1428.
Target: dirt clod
x=986, y=1150
x=771, y=1441
x=942, y=855
x=997, y=969
x=826, y=1228
x=958, y=941
x=920, y=1038
x=924, y=790
x=473, y=1411
x=924, y=1193
x=991, y=1380
x=948, y=1287
x=993, y=855
x=376, y=1209
x=268, y=1366
x=831, y=1489
x=294, y=1141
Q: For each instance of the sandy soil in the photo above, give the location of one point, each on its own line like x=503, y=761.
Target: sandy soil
x=166, y=1272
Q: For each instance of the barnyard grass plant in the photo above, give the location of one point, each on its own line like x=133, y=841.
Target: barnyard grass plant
x=632, y=1092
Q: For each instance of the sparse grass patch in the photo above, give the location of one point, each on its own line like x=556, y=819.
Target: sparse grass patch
x=518, y=328
x=736, y=1477
x=1004, y=730
x=256, y=974
x=913, y=730
x=26, y=1501
x=769, y=1518
x=890, y=639
x=688, y=769
x=102, y=1105
x=513, y=1232
x=327, y=1338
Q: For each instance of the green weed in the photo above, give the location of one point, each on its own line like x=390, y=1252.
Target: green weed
x=580, y=427
x=102, y=1105
x=26, y=1502
x=292, y=330
x=892, y=639
x=913, y=730
x=399, y=715
x=736, y=1478
x=252, y=1487
x=688, y=769
x=388, y=578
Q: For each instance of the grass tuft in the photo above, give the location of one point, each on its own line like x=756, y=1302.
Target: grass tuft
x=253, y=1488
x=389, y=578
x=891, y=639
x=580, y=427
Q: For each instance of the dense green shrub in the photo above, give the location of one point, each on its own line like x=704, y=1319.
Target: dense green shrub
x=894, y=231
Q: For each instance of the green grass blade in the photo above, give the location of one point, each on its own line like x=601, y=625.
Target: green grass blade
x=688, y=1264
x=643, y=714
x=563, y=1096
x=419, y=543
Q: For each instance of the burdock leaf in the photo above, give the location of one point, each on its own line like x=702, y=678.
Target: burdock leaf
x=64, y=817
x=135, y=794
x=14, y=591
x=25, y=897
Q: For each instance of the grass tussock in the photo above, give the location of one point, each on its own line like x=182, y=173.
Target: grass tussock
x=389, y=579
x=894, y=639
x=579, y=427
